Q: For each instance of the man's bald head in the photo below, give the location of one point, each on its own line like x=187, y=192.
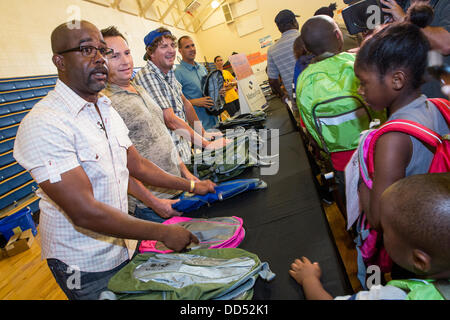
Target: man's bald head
x=321, y=34
x=84, y=71
x=63, y=34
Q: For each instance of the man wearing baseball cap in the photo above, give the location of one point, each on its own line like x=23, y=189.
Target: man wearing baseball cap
x=280, y=56
x=158, y=78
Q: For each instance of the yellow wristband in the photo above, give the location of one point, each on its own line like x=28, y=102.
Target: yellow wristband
x=192, y=186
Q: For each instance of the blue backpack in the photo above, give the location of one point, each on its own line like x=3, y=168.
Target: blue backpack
x=189, y=202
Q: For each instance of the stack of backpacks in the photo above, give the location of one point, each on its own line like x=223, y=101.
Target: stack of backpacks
x=201, y=274
x=213, y=269
x=252, y=120
x=232, y=160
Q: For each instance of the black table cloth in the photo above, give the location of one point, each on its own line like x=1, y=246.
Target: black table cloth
x=286, y=220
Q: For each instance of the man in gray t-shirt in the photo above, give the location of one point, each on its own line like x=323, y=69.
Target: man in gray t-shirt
x=147, y=130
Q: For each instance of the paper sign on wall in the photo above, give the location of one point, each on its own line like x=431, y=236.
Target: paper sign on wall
x=266, y=41
x=251, y=97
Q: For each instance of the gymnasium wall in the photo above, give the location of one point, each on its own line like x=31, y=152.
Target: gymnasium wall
x=26, y=25
x=221, y=38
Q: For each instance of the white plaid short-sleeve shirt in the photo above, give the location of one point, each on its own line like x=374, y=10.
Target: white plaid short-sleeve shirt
x=62, y=132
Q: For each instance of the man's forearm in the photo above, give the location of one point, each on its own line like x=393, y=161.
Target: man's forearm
x=439, y=39
x=196, y=102
x=149, y=173
x=276, y=87
x=192, y=117
x=182, y=128
x=75, y=196
x=155, y=176
x=184, y=170
x=139, y=191
x=119, y=225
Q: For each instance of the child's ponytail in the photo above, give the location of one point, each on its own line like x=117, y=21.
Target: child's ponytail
x=420, y=14
x=399, y=45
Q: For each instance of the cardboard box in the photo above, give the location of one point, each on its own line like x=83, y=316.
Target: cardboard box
x=19, y=242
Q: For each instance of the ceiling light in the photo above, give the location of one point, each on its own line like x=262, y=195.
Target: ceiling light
x=215, y=4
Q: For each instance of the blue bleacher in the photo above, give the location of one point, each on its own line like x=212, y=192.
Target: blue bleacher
x=6, y=159
x=15, y=195
x=6, y=145
x=12, y=107
x=11, y=119
x=10, y=171
x=10, y=132
x=15, y=182
x=17, y=98
x=27, y=83
x=24, y=94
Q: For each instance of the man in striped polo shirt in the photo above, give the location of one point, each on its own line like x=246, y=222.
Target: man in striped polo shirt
x=280, y=56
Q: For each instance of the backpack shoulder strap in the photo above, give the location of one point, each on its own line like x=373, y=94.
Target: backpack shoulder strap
x=206, y=80
x=443, y=106
x=412, y=128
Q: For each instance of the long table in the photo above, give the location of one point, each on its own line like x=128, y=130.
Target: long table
x=286, y=220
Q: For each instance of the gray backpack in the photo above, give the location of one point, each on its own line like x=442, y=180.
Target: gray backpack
x=213, y=82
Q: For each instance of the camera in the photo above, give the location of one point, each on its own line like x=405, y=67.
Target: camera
x=365, y=15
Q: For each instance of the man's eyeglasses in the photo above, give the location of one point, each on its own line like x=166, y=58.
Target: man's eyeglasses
x=90, y=51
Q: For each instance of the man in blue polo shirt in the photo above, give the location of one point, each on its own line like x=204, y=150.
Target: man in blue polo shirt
x=190, y=75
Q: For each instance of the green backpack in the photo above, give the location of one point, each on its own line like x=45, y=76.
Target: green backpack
x=330, y=106
x=424, y=289
x=203, y=274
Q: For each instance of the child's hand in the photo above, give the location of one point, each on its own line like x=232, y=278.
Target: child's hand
x=302, y=270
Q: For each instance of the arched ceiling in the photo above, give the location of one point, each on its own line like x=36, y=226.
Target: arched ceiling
x=187, y=15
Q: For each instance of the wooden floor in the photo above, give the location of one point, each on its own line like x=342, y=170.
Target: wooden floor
x=344, y=243
x=27, y=277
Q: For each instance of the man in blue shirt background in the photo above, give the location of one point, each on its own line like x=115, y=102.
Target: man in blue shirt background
x=190, y=75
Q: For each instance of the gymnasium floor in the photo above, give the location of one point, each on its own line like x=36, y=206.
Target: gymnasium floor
x=27, y=277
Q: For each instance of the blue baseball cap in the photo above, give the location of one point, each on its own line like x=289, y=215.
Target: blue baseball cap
x=152, y=35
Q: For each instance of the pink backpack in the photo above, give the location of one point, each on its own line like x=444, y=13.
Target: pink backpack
x=441, y=159
x=369, y=243
x=213, y=233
